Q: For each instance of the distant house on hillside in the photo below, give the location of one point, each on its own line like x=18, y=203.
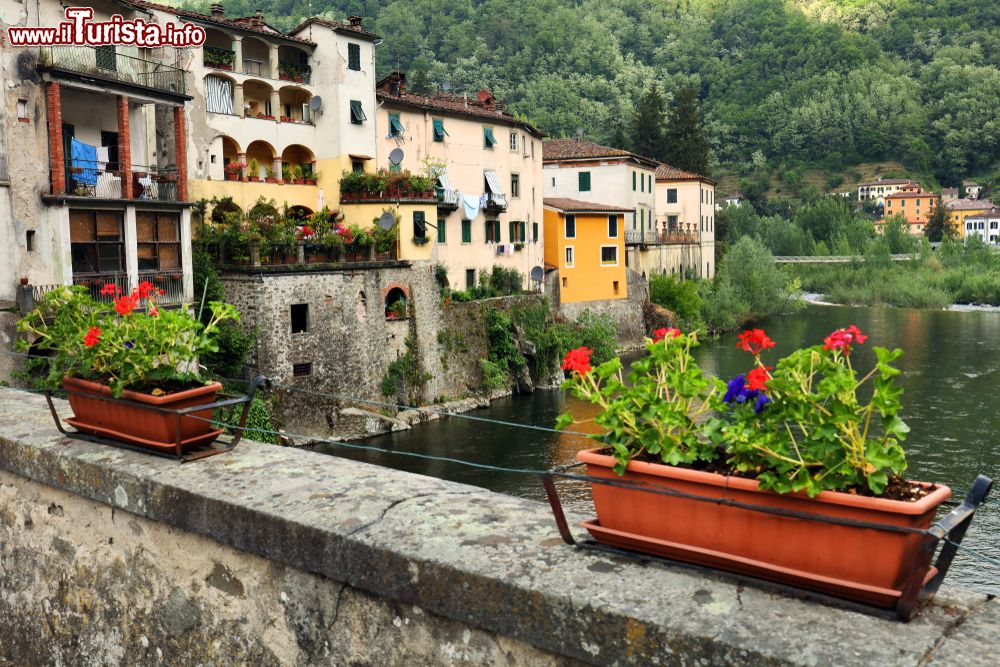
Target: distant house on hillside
x=949, y=194
x=877, y=191
x=960, y=209
x=972, y=189
x=985, y=225
x=915, y=204
x=734, y=199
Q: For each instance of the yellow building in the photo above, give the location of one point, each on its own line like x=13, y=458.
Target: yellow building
x=585, y=242
x=960, y=209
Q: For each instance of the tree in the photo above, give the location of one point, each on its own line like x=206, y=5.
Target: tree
x=687, y=144
x=937, y=227
x=648, y=125
x=895, y=229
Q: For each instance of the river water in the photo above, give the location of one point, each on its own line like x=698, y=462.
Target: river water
x=951, y=401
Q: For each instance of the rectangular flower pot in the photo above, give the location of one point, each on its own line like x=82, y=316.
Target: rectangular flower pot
x=142, y=424
x=867, y=565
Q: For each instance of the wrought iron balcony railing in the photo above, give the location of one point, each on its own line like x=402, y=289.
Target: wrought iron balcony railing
x=105, y=62
x=105, y=180
x=658, y=237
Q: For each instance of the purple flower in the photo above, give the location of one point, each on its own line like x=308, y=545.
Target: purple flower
x=761, y=403
x=128, y=345
x=736, y=389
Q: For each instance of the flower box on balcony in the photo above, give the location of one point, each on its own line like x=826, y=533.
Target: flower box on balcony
x=310, y=181
x=253, y=179
x=270, y=179
x=299, y=181
x=232, y=177
x=287, y=119
x=265, y=116
x=223, y=67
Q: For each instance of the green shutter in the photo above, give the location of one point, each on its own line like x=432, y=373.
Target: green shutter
x=357, y=113
x=633, y=181
x=534, y=232
x=524, y=230
x=513, y=231
x=488, y=139
x=439, y=131
x=467, y=231
x=496, y=230
x=584, y=181
x=442, y=236
x=395, y=127
x=419, y=225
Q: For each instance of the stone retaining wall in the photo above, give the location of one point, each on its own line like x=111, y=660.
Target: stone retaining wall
x=271, y=555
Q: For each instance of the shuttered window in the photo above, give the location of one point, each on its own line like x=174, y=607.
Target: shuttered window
x=354, y=57
x=467, y=231
x=584, y=181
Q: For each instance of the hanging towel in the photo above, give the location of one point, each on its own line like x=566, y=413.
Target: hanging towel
x=102, y=158
x=471, y=204
x=484, y=200
x=84, y=156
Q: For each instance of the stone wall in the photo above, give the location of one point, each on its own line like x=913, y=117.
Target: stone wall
x=271, y=555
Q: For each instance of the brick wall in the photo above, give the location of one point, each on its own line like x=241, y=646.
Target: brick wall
x=57, y=160
x=124, y=147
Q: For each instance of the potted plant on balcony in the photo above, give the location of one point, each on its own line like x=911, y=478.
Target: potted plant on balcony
x=269, y=175
x=286, y=172
x=309, y=175
x=792, y=438
x=297, y=175
x=253, y=171
x=120, y=360
x=234, y=170
x=219, y=58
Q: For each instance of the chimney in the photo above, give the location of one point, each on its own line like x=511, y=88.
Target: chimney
x=354, y=21
x=258, y=19
x=218, y=11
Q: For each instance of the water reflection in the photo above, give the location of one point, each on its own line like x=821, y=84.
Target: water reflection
x=949, y=379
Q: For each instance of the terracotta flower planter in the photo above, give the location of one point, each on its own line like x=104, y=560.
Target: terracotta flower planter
x=861, y=564
x=136, y=425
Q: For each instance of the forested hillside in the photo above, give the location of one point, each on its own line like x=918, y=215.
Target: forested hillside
x=804, y=83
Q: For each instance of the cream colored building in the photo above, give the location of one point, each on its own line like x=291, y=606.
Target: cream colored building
x=487, y=166
x=877, y=191
x=683, y=241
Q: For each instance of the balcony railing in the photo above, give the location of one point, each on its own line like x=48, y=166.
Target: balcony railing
x=299, y=254
x=447, y=197
x=104, y=180
x=171, y=283
x=105, y=62
x=658, y=237
x=256, y=68
x=496, y=201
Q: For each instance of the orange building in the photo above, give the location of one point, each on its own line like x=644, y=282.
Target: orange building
x=586, y=243
x=915, y=204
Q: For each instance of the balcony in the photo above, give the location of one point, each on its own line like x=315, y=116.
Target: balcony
x=658, y=237
x=171, y=283
x=447, y=198
x=384, y=186
x=256, y=68
x=297, y=73
x=104, y=180
x=105, y=63
x=496, y=202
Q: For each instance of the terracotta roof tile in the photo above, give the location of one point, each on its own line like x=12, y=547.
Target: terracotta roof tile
x=335, y=25
x=247, y=23
x=667, y=173
x=992, y=213
x=576, y=206
x=970, y=204
x=910, y=195
x=555, y=150
x=888, y=181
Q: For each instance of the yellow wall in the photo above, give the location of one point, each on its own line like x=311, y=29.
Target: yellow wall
x=245, y=195
x=366, y=214
x=588, y=279
x=957, y=219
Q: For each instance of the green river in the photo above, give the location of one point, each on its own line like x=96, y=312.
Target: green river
x=951, y=381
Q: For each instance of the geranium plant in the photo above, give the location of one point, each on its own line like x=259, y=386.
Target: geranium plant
x=125, y=341
x=797, y=426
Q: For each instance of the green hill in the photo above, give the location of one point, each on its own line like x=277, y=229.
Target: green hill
x=811, y=84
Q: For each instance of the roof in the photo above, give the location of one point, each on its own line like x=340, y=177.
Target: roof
x=968, y=183
x=449, y=103
x=887, y=181
x=992, y=213
x=247, y=23
x=970, y=204
x=950, y=191
x=557, y=150
x=568, y=205
x=910, y=195
x=351, y=28
x=667, y=173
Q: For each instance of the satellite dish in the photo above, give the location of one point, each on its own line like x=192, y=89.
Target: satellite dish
x=387, y=220
x=316, y=103
x=396, y=156
x=537, y=274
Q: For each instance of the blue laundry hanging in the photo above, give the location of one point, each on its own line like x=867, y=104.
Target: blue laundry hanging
x=471, y=204
x=84, y=156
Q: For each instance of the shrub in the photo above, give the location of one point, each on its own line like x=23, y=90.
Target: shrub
x=680, y=296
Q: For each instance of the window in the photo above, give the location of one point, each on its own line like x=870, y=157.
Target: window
x=609, y=255
x=467, y=231
x=614, y=286
x=534, y=232
x=569, y=257
x=672, y=223
x=470, y=278
x=513, y=141
x=442, y=235
x=584, y=178
x=300, y=317
x=96, y=241
x=158, y=241
x=564, y=282
x=29, y=239
x=419, y=226
x=105, y=57
x=357, y=166
x=612, y=226
x=553, y=181
x=354, y=57
x=515, y=185
x=672, y=195
x=22, y=109
x=439, y=132
x=493, y=231
x=395, y=127
x=302, y=370
x=571, y=226
x=489, y=141
x=633, y=181
x=642, y=217
x=357, y=113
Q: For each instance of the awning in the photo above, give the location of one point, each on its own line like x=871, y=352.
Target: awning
x=439, y=131
x=357, y=113
x=488, y=135
x=397, y=127
x=493, y=182
x=443, y=180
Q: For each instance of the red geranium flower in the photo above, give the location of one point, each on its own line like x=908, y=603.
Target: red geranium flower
x=662, y=333
x=110, y=289
x=92, y=337
x=153, y=312
x=306, y=231
x=578, y=360
x=754, y=341
x=842, y=339
x=126, y=304
x=145, y=289
x=758, y=377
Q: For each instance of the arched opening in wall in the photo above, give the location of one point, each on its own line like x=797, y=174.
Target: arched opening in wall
x=226, y=212
x=295, y=105
x=396, y=307
x=218, y=50
x=300, y=214
x=297, y=163
x=257, y=99
x=219, y=94
x=361, y=306
x=256, y=58
x=293, y=64
x=260, y=154
x=263, y=213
